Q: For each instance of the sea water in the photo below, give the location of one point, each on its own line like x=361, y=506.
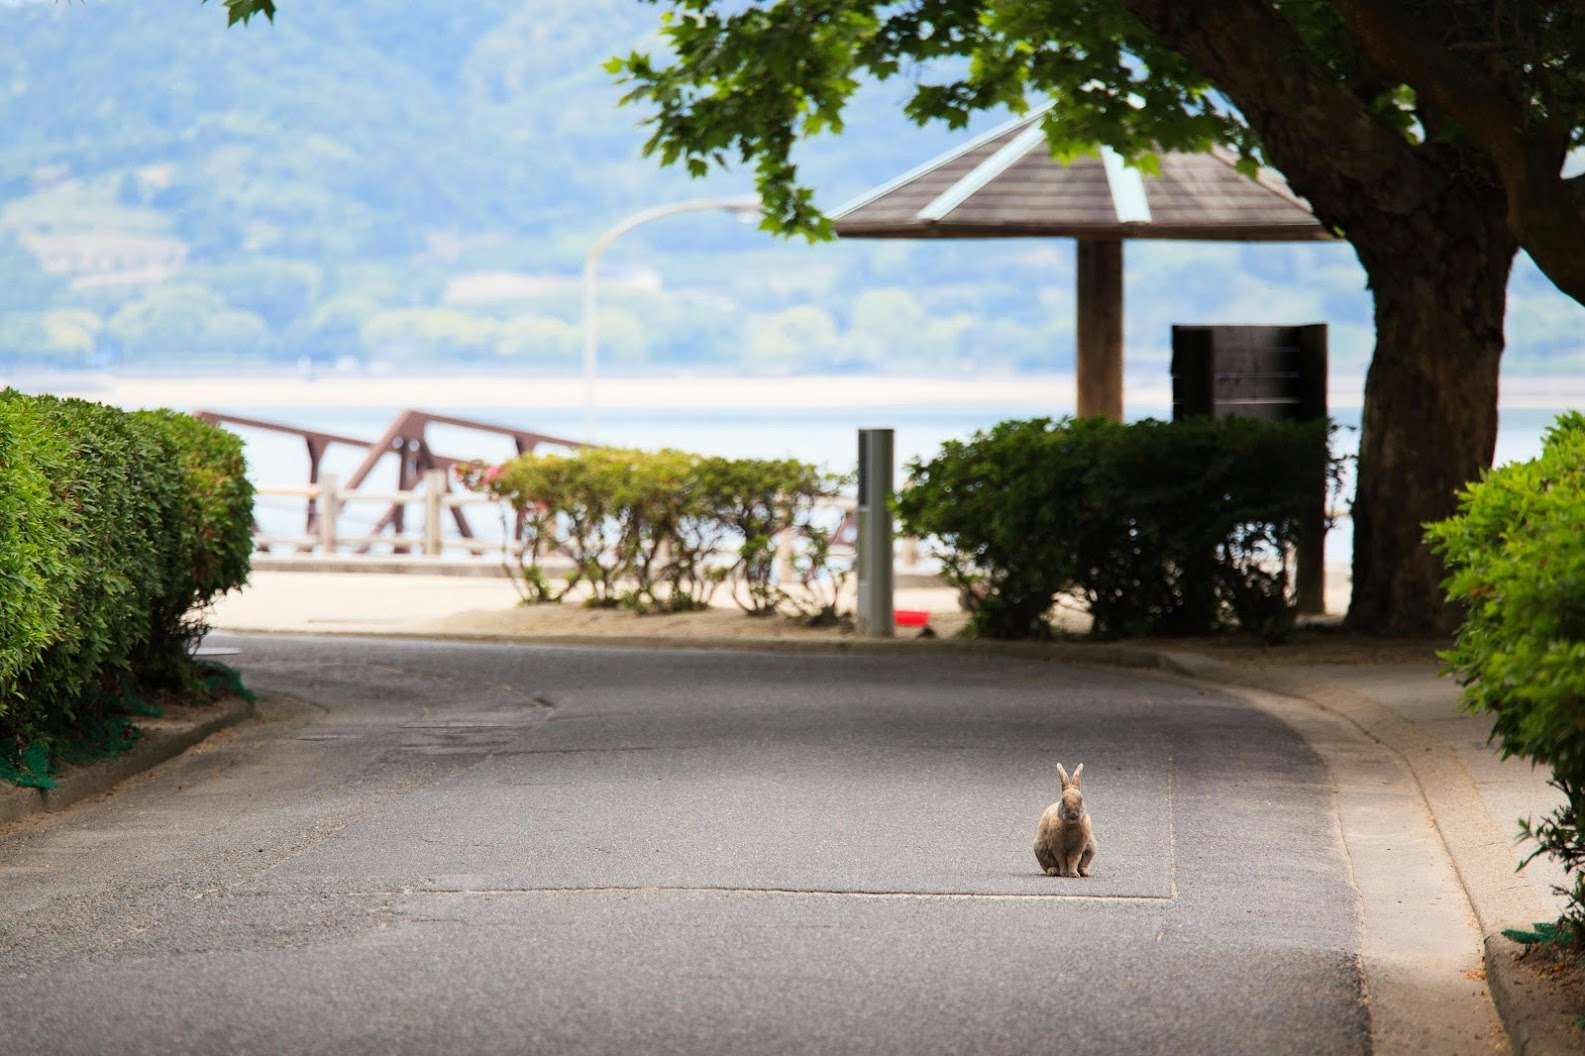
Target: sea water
x=826, y=437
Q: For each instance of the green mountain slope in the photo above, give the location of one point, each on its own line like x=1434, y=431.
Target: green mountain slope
x=402, y=184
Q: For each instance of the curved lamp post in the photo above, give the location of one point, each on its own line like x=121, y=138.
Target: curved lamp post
x=743, y=207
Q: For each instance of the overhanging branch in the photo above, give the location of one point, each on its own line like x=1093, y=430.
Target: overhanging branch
x=1458, y=88
x=1545, y=212
x=1314, y=126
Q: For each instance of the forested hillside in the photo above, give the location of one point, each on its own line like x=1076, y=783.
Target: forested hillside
x=374, y=185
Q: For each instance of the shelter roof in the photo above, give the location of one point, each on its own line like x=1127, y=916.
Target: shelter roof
x=1006, y=184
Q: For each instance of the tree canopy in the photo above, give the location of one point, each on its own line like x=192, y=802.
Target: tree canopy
x=745, y=82
x=1431, y=133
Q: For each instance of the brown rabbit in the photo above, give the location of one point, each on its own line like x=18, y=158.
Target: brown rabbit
x=1065, y=842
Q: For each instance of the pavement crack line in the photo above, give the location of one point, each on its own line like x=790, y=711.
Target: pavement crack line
x=595, y=751
x=1172, y=833
x=536, y=701
x=788, y=892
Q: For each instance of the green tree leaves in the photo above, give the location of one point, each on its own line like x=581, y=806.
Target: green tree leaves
x=1516, y=557
x=745, y=84
x=245, y=10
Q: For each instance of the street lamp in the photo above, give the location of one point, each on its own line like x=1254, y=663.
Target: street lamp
x=742, y=207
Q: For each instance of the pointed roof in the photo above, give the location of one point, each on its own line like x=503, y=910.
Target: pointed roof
x=1006, y=184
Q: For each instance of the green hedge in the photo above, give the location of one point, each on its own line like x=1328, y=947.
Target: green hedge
x=647, y=529
x=1515, y=553
x=1159, y=527
x=113, y=526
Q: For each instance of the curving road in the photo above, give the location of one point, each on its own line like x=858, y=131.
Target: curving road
x=427, y=848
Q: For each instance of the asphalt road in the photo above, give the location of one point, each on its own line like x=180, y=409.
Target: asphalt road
x=507, y=849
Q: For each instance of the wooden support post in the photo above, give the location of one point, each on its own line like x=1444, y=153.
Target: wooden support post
x=316, y=452
x=1099, y=353
x=434, y=492
x=328, y=506
x=463, y=527
x=406, y=480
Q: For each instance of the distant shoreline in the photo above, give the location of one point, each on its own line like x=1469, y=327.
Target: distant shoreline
x=437, y=392
x=440, y=392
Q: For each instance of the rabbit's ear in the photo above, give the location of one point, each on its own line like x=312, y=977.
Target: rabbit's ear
x=1078, y=771
x=1062, y=774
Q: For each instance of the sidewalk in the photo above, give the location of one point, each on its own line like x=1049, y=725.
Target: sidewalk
x=1389, y=689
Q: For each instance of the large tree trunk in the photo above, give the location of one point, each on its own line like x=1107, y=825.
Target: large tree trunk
x=1428, y=220
x=1430, y=416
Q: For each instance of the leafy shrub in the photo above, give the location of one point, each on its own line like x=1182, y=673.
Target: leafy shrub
x=610, y=512
x=680, y=536
x=208, y=546
x=112, y=526
x=772, y=508
x=1159, y=527
x=1515, y=553
x=817, y=577
x=110, y=500
x=646, y=529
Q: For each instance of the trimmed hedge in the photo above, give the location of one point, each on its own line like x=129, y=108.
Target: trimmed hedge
x=113, y=527
x=646, y=529
x=1160, y=527
x=1515, y=553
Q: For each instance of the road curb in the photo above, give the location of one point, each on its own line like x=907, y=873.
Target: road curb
x=163, y=738
x=1536, y=1025
x=1535, y=1017
x=1066, y=652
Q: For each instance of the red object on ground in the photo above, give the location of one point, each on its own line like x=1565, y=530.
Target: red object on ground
x=912, y=618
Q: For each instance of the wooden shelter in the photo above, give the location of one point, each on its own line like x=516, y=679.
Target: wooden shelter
x=1006, y=184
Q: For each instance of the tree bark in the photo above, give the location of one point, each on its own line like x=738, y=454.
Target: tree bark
x=1429, y=223
x=1430, y=415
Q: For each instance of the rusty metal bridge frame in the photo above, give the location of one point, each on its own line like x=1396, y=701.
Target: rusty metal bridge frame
x=407, y=438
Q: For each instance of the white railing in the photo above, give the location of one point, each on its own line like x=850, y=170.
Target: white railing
x=330, y=499
x=436, y=503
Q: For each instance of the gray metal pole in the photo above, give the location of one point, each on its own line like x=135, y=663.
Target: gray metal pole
x=876, y=614
x=742, y=207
